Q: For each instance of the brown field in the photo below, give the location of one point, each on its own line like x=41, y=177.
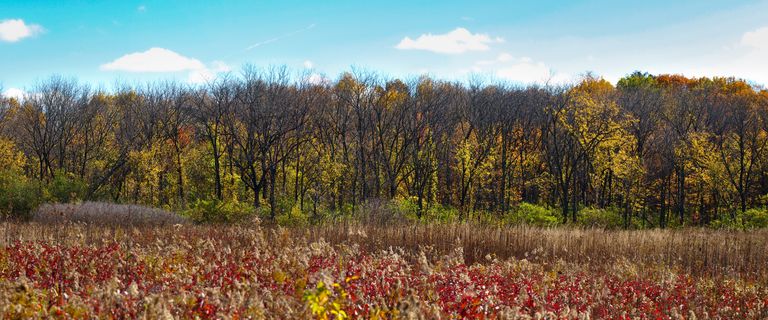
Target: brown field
x=78, y=270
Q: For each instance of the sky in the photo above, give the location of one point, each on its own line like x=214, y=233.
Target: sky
x=105, y=42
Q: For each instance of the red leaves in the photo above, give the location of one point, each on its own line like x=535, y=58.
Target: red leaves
x=204, y=282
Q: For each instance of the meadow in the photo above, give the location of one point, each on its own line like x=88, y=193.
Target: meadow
x=173, y=269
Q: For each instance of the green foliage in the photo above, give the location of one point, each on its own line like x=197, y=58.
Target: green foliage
x=219, y=211
x=293, y=217
x=531, y=214
x=751, y=219
x=755, y=218
x=65, y=188
x=18, y=195
x=637, y=80
x=324, y=303
x=407, y=206
x=435, y=212
x=608, y=218
x=725, y=222
x=441, y=213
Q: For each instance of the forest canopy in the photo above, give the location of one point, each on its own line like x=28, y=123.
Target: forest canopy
x=655, y=149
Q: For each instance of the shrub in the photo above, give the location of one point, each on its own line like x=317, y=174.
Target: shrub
x=751, y=219
x=18, y=195
x=294, y=218
x=608, y=218
x=101, y=213
x=217, y=211
x=408, y=209
x=755, y=218
x=442, y=214
x=65, y=188
x=531, y=214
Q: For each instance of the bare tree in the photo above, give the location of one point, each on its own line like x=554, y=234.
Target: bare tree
x=211, y=105
x=48, y=119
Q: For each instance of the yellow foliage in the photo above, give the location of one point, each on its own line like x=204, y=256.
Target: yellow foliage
x=10, y=157
x=324, y=304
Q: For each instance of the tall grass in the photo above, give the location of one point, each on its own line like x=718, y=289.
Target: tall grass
x=695, y=251
x=106, y=214
x=701, y=252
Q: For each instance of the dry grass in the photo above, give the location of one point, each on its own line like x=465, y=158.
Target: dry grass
x=700, y=252
x=105, y=214
x=696, y=251
x=427, y=271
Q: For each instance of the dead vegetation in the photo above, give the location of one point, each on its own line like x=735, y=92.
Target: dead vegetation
x=700, y=252
x=105, y=214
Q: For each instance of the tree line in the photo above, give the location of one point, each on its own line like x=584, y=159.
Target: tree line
x=659, y=149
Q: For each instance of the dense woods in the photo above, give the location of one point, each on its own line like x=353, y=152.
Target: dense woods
x=658, y=150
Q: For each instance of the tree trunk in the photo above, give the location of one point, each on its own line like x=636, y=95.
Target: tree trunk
x=272, y=180
x=180, y=179
x=217, y=169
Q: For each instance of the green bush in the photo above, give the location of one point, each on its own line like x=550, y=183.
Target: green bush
x=609, y=218
x=406, y=206
x=434, y=212
x=65, y=188
x=294, y=218
x=443, y=214
x=531, y=214
x=219, y=211
x=18, y=195
x=755, y=218
x=751, y=219
x=725, y=222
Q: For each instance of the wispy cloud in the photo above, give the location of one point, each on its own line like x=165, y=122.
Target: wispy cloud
x=458, y=41
x=208, y=73
x=13, y=30
x=756, y=39
x=521, y=70
x=142, y=8
x=289, y=34
x=747, y=59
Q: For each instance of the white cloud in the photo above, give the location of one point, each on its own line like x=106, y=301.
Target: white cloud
x=153, y=60
x=220, y=66
x=458, y=41
x=200, y=76
x=16, y=93
x=531, y=72
x=142, y=8
x=163, y=60
x=207, y=74
x=317, y=79
x=523, y=70
x=748, y=60
x=756, y=39
x=15, y=29
x=504, y=57
x=308, y=64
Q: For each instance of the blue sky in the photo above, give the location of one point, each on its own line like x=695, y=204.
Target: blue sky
x=100, y=42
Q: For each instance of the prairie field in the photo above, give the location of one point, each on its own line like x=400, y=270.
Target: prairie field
x=352, y=270
x=582, y=159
